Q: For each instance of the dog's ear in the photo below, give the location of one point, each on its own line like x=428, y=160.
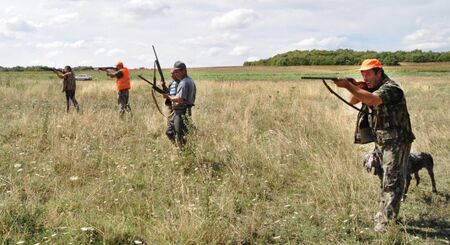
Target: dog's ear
x=367, y=163
x=365, y=159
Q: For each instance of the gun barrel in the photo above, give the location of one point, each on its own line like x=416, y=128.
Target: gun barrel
x=158, y=65
x=154, y=87
x=104, y=68
x=154, y=51
x=51, y=69
x=319, y=78
x=143, y=78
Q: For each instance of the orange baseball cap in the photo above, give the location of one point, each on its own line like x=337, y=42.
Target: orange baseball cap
x=369, y=64
x=119, y=63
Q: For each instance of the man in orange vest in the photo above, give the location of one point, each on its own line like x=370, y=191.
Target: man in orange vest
x=123, y=85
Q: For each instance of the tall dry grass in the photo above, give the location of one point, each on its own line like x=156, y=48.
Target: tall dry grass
x=270, y=162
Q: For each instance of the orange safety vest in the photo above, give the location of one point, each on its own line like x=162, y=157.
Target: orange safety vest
x=123, y=82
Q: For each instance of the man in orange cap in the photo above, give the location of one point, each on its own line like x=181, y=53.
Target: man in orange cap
x=123, y=85
x=389, y=122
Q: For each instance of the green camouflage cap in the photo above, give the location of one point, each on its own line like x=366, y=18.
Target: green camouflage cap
x=179, y=65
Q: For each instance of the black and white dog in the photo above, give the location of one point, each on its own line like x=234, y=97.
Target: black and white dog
x=416, y=162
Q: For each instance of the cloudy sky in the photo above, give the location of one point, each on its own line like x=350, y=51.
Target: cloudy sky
x=211, y=33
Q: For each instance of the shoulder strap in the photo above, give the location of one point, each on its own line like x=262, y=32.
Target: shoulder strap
x=342, y=99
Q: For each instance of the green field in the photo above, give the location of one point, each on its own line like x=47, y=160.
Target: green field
x=272, y=162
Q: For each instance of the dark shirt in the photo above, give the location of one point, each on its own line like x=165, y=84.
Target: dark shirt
x=69, y=82
x=119, y=74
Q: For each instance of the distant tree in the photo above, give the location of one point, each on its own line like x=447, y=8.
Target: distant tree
x=348, y=57
x=444, y=57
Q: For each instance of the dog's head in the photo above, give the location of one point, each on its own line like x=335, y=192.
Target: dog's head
x=372, y=161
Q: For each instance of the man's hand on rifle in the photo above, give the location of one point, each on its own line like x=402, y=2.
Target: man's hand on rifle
x=347, y=82
x=343, y=82
x=361, y=85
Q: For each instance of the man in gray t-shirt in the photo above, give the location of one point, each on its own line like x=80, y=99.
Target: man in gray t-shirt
x=182, y=102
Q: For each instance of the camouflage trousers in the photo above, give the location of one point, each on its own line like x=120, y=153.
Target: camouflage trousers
x=393, y=158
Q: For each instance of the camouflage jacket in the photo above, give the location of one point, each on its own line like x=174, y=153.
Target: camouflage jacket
x=390, y=121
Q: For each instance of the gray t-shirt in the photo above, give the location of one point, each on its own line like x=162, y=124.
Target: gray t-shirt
x=186, y=89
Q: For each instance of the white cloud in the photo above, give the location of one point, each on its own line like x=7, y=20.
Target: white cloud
x=114, y=52
x=86, y=62
x=240, y=50
x=432, y=37
x=146, y=59
x=100, y=51
x=146, y=8
x=214, y=39
x=235, y=19
x=14, y=27
x=63, y=19
x=324, y=43
x=53, y=53
x=20, y=25
x=213, y=51
x=10, y=9
x=109, y=52
x=253, y=58
x=59, y=44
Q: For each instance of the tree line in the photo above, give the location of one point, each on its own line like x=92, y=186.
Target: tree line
x=40, y=68
x=349, y=57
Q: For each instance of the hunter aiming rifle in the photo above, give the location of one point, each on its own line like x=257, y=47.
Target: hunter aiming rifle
x=156, y=66
x=349, y=79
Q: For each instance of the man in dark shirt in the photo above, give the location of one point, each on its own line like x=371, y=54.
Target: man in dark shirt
x=69, y=86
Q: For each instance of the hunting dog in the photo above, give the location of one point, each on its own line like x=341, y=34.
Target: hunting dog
x=416, y=162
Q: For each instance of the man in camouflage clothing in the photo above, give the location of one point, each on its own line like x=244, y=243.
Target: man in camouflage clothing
x=388, y=119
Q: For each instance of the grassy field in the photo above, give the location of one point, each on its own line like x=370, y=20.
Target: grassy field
x=272, y=162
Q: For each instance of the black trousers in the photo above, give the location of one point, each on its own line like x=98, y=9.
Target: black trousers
x=70, y=96
x=122, y=100
x=178, y=126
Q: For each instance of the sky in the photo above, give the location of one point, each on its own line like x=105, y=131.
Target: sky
x=211, y=33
